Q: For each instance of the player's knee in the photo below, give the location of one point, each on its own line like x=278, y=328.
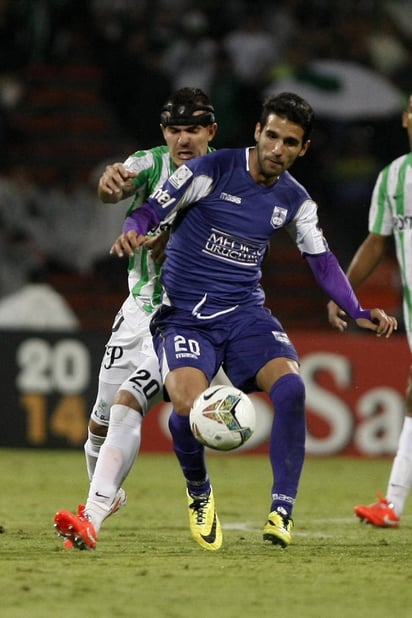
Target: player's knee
x=290, y=387
x=184, y=387
x=124, y=398
x=299, y=385
x=183, y=405
x=183, y=398
x=96, y=429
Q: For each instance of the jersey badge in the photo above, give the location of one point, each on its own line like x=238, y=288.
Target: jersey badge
x=180, y=176
x=278, y=216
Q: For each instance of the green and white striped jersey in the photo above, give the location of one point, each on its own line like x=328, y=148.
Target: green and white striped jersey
x=391, y=214
x=154, y=166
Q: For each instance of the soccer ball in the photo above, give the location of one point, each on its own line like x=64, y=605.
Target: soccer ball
x=222, y=418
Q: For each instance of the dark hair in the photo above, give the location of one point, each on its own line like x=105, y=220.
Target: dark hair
x=291, y=106
x=180, y=107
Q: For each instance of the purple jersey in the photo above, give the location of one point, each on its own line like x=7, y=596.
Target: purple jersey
x=216, y=249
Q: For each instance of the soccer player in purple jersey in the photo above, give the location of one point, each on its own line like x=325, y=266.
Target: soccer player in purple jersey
x=224, y=208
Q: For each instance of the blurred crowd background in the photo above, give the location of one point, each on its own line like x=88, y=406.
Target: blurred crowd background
x=81, y=85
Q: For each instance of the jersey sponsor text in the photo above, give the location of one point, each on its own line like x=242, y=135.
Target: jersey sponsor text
x=402, y=223
x=163, y=198
x=232, y=249
x=230, y=198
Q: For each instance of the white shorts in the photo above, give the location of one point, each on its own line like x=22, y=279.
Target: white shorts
x=129, y=363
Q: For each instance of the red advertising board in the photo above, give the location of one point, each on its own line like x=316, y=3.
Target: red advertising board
x=354, y=393
x=354, y=396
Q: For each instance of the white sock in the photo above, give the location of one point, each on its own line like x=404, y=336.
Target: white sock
x=400, y=480
x=116, y=458
x=91, y=450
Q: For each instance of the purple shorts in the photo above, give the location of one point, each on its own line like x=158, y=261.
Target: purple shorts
x=242, y=341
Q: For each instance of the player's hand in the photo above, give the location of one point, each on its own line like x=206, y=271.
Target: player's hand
x=115, y=183
x=336, y=316
x=125, y=244
x=157, y=244
x=383, y=325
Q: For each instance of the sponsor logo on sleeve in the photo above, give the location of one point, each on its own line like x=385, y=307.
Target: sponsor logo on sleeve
x=163, y=198
x=180, y=176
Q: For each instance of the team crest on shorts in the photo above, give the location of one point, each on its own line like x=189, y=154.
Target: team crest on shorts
x=278, y=216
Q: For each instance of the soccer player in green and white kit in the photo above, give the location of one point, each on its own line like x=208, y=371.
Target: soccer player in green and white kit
x=390, y=214
x=129, y=379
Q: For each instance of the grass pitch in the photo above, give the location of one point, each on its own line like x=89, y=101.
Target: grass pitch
x=147, y=565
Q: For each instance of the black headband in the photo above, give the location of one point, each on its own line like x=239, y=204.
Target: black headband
x=183, y=114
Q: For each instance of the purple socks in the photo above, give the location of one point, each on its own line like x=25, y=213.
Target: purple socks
x=287, y=440
x=190, y=454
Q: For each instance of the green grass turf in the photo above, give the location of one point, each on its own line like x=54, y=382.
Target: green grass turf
x=147, y=565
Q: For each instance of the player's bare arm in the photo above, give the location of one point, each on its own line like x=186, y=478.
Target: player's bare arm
x=115, y=184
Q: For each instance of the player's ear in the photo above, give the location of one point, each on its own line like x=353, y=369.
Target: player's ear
x=212, y=131
x=305, y=148
x=258, y=130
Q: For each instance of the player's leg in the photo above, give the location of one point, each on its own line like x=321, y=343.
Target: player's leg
x=188, y=362
x=256, y=337
x=122, y=443
x=114, y=461
x=115, y=368
x=98, y=424
x=386, y=512
x=76, y=528
x=183, y=386
x=287, y=444
x=116, y=456
x=400, y=481
x=129, y=361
